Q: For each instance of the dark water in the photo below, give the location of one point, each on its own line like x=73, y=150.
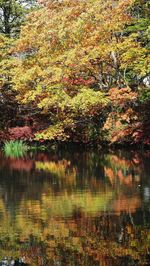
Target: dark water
x=72, y=208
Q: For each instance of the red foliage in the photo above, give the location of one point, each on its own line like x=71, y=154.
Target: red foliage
x=137, y=133
x=121, y=96
x=129, y=120
x=141, y=133
x=22, y=133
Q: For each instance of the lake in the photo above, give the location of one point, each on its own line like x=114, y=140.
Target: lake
x=72, y=207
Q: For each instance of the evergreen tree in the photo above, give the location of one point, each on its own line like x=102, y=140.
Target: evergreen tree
x=12, y=15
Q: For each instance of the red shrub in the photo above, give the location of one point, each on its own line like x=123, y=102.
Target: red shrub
x=22, y=133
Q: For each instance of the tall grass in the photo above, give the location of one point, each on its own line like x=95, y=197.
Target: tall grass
x=15, y=149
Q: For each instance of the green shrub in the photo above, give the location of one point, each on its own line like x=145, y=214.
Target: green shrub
x=15, y=149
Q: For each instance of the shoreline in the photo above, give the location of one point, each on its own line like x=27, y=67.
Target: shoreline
x=44, y=145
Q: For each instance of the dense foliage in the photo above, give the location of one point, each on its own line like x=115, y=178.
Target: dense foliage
x=13, y=13
x=83, y=69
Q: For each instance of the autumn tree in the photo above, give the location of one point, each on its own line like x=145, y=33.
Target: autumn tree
x=67, y=60
x=8, y=103
x=63, y=66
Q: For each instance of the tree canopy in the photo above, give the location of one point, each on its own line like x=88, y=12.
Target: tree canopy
x=12, y=15
x=66, y=62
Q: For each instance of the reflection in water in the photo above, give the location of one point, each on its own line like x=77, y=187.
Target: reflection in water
x=76, y=208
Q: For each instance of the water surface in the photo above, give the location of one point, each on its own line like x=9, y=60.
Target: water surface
x=69, y=207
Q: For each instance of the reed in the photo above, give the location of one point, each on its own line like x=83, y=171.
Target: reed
x=15, y=149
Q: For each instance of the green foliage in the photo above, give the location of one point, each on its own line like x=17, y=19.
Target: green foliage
x=13, y=13
x=88, y=101
x=55, y=132
x=144, y=94
x=15, y=149
x=136, y=61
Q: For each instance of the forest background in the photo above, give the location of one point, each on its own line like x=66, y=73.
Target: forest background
x=75, y=71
